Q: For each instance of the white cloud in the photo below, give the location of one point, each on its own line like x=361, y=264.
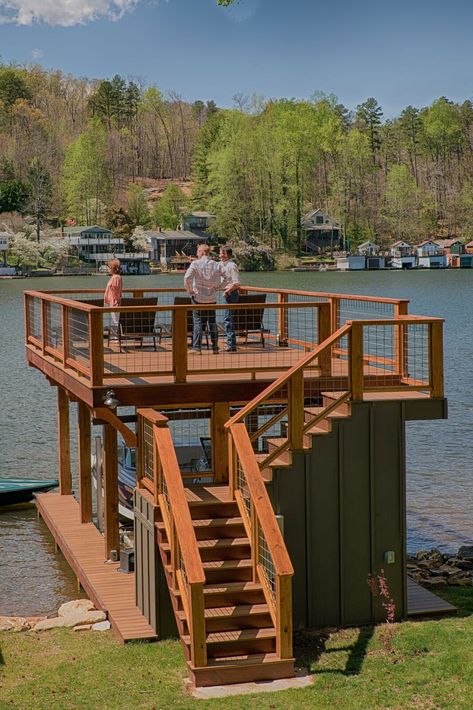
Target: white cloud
x=64, y=13
x=37, y=53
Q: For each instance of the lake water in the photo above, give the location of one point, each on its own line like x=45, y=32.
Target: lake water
x=439, y=454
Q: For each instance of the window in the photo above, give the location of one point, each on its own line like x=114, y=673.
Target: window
x=319, y=219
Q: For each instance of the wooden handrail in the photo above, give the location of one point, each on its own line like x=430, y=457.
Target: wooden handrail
x=283, y=379
x=152, y=416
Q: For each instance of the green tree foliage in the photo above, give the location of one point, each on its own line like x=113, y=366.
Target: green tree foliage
x=369, y=115
x=40, y=193
x=402, y=202
x=85, y=180
x=13, y=195
x=12, y=87
x=138, y=210
x=115, y=102
x=167, y=210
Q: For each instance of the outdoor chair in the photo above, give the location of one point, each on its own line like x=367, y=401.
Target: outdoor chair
x=250, y=320
x=136, y=325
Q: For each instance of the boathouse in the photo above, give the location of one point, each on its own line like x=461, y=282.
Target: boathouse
x=296, y=492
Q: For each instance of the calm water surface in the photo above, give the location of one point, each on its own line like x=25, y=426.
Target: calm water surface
x=439, y=454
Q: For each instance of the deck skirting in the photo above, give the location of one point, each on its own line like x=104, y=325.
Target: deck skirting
x=83, y=547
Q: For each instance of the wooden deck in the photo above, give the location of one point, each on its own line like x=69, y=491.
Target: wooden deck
x=421, y=602
x=83, y=547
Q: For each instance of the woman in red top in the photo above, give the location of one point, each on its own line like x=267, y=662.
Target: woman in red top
x=113, y=290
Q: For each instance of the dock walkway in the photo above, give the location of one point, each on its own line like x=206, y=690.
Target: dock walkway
x=83, y=547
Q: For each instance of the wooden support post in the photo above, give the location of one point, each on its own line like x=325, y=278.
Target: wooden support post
x=85, y=470
x=400, y=333
x=296, y=411
x=197, y=630
x=96, y=347
x=111, y=529
x=436, y=359
x=323, y=328
x=334, y=314
x=179, y=344
x=356, y=361
x=283, y=321
x=284, y=617
x=64, y=448
x=220, y=415
x=232, y=466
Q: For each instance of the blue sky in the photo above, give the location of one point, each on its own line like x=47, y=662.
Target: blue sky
x=401, y=53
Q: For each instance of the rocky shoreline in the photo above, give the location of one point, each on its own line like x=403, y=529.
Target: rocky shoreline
x=79, y=615
x=434, y=569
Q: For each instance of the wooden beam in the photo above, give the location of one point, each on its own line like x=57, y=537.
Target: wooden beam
x=220, y=416
x=356, y=361
x=64, y=448
x=110, y=484
x=85, y=466
x=179, y=344
x=104, y=414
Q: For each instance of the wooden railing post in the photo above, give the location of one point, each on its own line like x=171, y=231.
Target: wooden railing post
x=334, y=313
x=43, y=324
x=96, y=347
x=65, y=334
x=400, y=331
x=284, y=616
x=283, y=321
x=356, y=361
x=179, y=344
x=254, y=542
x=324, y=332
x=85, y=470
x=220, y=415
x=64, y=447
x=295, y=400
x=436, y=359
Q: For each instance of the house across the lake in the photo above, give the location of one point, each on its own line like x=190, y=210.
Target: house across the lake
x=97, y=245
x=4, y=243
x=320, y=231
x=173, y=248
x=197, y=222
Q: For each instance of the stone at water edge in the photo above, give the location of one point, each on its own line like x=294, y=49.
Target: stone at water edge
x=465, y=552
x=5, y=624
x=47, y=624
x=77, y=605
x=78, y=618
x=101, y=626
x=84, y=627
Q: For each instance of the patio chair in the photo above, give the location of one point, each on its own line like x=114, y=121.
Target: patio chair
x=250, y=320
x=137, y=325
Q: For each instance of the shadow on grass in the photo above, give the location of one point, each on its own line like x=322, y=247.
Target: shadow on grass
x=2, y=660
x=309, y=647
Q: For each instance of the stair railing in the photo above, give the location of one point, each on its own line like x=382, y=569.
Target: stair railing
x=271, y=563
x=159, y=464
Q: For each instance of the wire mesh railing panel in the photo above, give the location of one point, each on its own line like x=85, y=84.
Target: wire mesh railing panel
x=416, y=345
x=78, y=336
x=379, y=354
x=191, y=434
x=138, y=342
x=242, y=486
x=265, y=561
x=148, y=451
x=53, y=313
x=34, y=316
x=353, y=309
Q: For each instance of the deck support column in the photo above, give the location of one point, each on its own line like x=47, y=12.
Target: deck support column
x=64, y=447
x=220, y=415
x=110, y=484
x=85, y=465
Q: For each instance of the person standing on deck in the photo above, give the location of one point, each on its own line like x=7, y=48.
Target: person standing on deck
x=201, y=281
x=231, y=293
x=113, y=290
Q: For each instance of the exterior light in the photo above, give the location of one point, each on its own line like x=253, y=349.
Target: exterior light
x=110, y=400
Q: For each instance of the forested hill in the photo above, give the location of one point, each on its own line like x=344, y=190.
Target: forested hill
x=70, y=149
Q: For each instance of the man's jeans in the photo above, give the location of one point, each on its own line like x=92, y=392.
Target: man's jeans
x=228, y=320
x=200, y=319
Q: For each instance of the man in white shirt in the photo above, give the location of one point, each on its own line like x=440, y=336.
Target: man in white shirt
x=231, y=292
x=202, y=279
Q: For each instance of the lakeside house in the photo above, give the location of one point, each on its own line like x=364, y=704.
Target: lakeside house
x=173, y=248
x=402, y=256
x=197, y=222
x=97, y=245
x=4, y=244
x=430, y=255
x=320, y=231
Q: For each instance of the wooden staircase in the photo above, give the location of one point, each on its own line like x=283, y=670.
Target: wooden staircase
x=240, y=633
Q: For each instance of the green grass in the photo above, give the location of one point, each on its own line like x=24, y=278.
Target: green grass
x=430, y=666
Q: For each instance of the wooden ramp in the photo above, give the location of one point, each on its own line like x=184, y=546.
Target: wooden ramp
x=421, y=602
x=83, y=547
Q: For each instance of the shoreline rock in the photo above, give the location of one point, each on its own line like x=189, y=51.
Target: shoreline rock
x=432, y=568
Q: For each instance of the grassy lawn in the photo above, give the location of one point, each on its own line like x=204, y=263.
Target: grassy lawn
x=430, y=666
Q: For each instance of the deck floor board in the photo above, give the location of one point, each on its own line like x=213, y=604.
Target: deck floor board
x=83, y=547
x=422, y=602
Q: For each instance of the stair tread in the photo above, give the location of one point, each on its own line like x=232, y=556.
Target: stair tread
x=318, y=410
x=235, y=636
x=232, y=611
x=204, y=523
x=246, y=659
x=226, y=588
x=215, y=544
x=277, y=441
x=226, y=564
x=276, y=463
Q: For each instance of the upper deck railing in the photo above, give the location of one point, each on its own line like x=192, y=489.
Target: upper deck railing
x=275, y=327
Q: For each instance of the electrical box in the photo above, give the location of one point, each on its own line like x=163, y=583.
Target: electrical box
x=389, y=557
